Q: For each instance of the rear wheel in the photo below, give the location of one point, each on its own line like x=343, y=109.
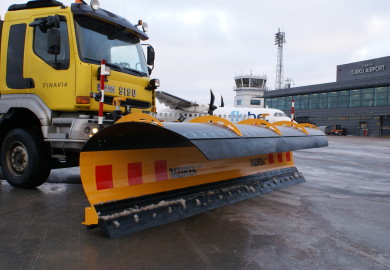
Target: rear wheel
x=25, y=159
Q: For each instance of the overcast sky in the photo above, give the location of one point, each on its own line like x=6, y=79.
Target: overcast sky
x=203, y=44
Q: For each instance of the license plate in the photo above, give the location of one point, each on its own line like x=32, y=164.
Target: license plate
x=108, y=88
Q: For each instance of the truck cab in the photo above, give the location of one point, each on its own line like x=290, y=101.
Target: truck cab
x=49, y=88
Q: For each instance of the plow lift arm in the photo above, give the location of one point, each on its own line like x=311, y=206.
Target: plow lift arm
x=140, y=173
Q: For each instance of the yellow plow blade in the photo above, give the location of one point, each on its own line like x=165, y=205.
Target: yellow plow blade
x=138, y=175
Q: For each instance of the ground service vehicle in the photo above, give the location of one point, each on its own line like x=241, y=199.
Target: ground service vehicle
x=136, y=171
x=50, y=58
x=337, y=130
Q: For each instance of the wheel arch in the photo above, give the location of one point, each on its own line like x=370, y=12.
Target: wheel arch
x=19, y=118
x=23, y=110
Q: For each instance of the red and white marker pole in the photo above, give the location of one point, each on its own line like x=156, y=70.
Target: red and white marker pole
x=101, y=102
x=292, y=110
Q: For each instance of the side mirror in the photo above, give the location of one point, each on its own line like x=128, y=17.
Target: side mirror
x=53, y=41
x=150, y=56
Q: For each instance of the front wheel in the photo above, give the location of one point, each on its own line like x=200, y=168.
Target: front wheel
x=25, y=159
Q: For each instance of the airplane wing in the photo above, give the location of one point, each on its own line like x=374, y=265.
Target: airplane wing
x=174, y=102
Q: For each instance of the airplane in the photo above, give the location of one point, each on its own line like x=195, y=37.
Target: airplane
x=177, y=109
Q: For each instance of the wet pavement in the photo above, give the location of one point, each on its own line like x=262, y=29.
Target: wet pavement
x=338, y=219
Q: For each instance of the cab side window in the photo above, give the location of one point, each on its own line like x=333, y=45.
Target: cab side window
x=40, y=46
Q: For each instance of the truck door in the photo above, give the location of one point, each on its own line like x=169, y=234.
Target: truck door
x=52, y=69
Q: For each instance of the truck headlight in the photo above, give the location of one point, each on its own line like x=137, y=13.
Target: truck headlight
x=95, y=5
x=153, y=84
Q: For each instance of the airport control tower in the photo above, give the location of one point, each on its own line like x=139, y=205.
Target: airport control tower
x=250, y=90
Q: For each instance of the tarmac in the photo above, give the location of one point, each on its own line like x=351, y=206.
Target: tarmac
x=338, y=219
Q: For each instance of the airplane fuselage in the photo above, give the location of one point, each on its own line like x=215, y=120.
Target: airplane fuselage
x=232, y=114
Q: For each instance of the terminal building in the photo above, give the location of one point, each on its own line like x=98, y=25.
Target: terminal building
x=359, y=100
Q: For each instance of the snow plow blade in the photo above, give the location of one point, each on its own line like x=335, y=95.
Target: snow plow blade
x=138, y=175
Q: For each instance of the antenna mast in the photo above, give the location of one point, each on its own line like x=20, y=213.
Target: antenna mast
x=279, y=41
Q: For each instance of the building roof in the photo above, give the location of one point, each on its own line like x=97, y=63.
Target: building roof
x=330, y=87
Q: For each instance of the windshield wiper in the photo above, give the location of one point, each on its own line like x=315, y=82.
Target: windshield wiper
x=137, y=72
x=93, y=60
x=119, y=68
x=115, y=67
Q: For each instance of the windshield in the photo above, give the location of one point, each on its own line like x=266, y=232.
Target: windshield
x=98, y=40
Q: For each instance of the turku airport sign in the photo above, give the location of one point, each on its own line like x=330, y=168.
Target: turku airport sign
x=364, y=69
x=368, y=68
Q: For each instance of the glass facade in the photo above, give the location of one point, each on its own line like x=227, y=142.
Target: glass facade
x=257, y=83
x=250, y=82
x=366, y=97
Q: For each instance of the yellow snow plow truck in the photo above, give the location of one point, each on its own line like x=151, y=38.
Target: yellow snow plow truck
x=76, y=90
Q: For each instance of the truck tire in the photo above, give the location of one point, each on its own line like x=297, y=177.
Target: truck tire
x=25, y=159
